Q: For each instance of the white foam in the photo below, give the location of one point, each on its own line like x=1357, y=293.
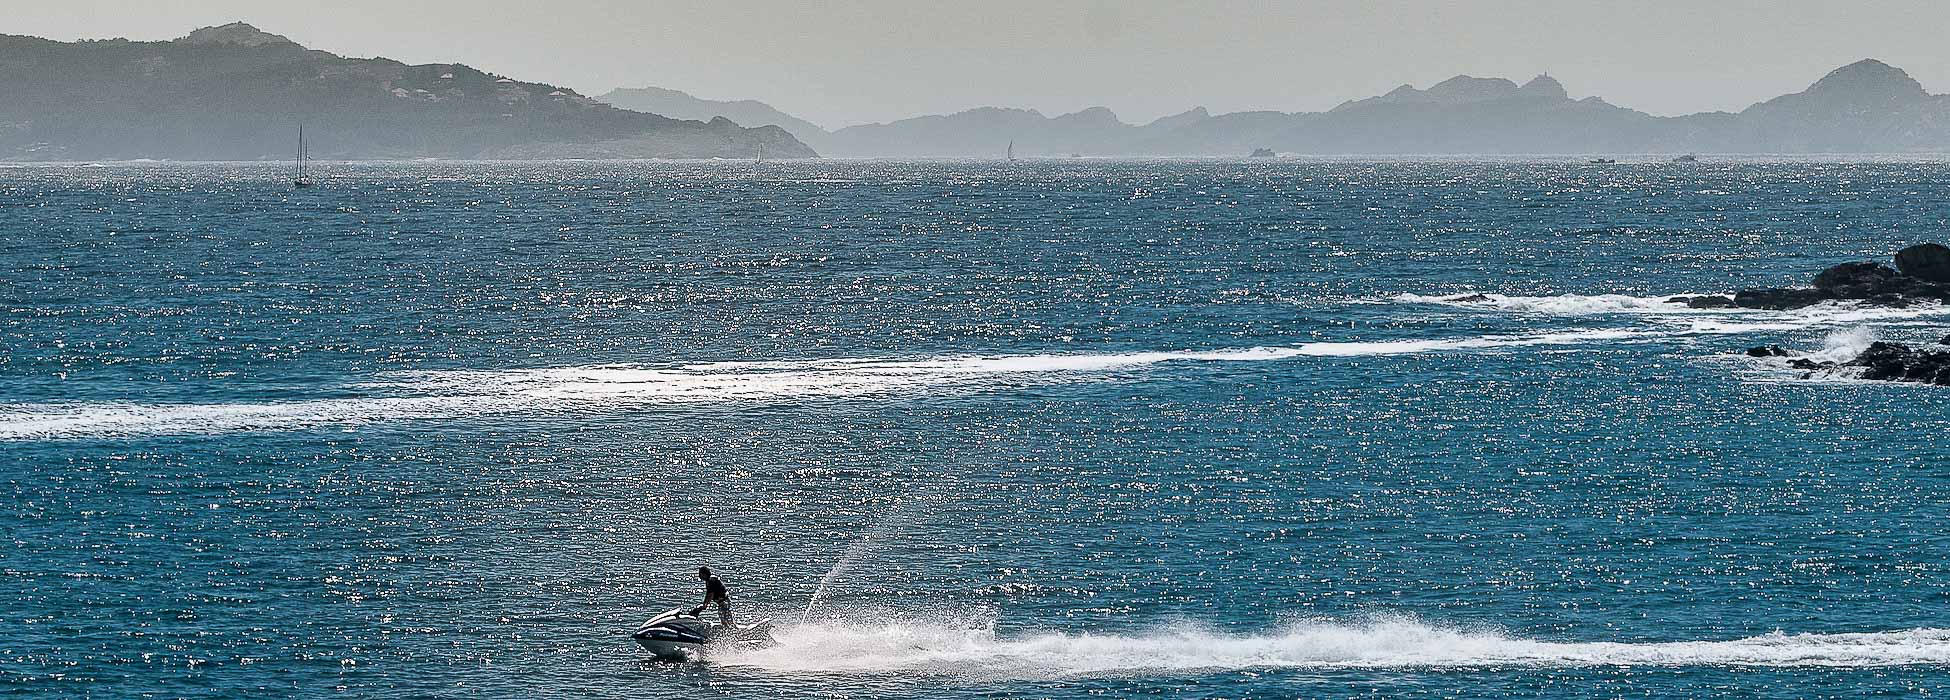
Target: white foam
x=1837, y=348
x=466, y=393
x=405, y=396
x=475, y=393
x=1405, y=347
x=1563, y=304
x=1844, y=345
x=1829, y=313
x=934, y=649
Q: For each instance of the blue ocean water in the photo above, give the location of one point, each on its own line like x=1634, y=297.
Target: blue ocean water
x=1055, y=429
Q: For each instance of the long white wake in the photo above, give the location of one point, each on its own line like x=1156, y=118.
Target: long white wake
x=912, y=648
x=450, y=394
x=405, y=396
x=469, y=393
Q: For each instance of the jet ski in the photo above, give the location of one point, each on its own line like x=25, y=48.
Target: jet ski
x=677, y=634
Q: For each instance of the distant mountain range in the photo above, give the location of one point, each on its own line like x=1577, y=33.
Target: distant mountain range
x=680, y=105
x=1864, y=107
x=235, y=92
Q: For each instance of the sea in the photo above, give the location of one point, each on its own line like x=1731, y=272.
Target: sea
x=1069, y=428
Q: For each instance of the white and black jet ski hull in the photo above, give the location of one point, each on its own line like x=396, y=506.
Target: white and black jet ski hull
x=677, y=634
x=670, y=650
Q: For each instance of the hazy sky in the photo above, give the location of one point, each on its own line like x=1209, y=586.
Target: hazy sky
x=840, y=62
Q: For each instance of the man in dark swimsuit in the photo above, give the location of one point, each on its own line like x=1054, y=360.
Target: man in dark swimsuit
x=714, y=592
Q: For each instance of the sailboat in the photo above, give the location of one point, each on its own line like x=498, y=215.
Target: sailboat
x=761, y=151
x=300, y=178
x=1012, y=150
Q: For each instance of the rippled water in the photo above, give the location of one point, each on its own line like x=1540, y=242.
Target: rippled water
x=1059, y=429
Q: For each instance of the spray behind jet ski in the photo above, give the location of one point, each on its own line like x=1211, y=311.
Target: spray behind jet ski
x=679, y=634
x=897, y=518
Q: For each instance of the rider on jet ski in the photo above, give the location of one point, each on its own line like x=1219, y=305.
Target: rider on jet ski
x=680, y=634
x=714, y=592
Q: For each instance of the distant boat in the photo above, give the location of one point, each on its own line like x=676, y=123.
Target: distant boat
x=1688, y=158
x=1012, y=150
x=1604, y=161
x=1263, y=153
x=761, y=151
x=301, y=178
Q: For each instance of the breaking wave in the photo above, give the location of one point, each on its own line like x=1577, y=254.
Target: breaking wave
x=1837, y=348
x=913, y=648
x=1823, y=314
x=1844, y=345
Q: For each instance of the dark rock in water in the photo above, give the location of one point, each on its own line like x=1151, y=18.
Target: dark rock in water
x=1767, y=351
x=1714, y=301
x=1910, y=289
x=1805, y=363
x=1917, y=289
x=1944, y=341
x=1922, y=274
x=1928, y=262
x=1855, y=280
x=1777, y=298
x=1899, y=363
x=1470, y=299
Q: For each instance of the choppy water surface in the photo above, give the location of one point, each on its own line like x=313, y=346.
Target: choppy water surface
x=1060, y=429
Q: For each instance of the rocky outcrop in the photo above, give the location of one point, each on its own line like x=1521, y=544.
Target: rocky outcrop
x=1927, y=261
x=1900, y=363
x=235, y=34
x=1768, y=352
x=1866, y=282
x=1881, y=361
x=1853, y=280
x=1778, y=298
x=1704, y=301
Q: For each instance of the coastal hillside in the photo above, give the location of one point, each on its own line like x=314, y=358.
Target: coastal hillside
x=682, y=105
x=1864, y=107
x=237, y=93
